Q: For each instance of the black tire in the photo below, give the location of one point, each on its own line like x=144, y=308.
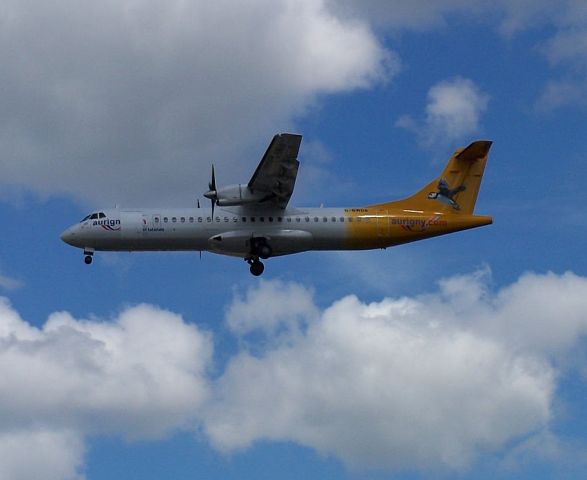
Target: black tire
x=88, y=259
x=257, y=268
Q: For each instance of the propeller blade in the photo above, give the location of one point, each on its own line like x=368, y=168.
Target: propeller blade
x=212, y=194
x=212, y=184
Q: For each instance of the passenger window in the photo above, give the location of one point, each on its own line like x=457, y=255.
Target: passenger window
x=341, y=219
x=334, y=219
x=261, y=219
x=208, y=219
x=307, y=219
x=234, y=219
x=199, y=219
x=217, y=219
x=279, y=219
x=182, y=219
x=350, y=219
x=359, y=219
x=165, y=219
x=289, y=219
x=191, y=219
x=226, y=219
x=156, y=220
x=324, y=219
x=244, y=219
x=252, y=219
x=270, y=219
x=174, y=219
x=298, y=219
x=315, y=219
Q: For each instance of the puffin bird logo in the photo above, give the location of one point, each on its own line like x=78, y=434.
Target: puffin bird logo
x=445, y=194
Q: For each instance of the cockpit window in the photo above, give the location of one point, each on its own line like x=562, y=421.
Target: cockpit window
x=94, y=216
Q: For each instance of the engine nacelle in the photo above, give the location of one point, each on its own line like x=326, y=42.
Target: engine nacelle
x=235, y=195
x=281, y=242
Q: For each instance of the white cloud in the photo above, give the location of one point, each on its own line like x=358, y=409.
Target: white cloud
x=431, y=381
x=271, y=307
x=560, y=93
x=511, y=15
x=415, y=14
x=105, y=101
x=549, y=312
x=9, y=283
x=564, y=43
x=569, y=44
x=141, y=376
x=453, y=111
x=50, y=455
x=422, y=382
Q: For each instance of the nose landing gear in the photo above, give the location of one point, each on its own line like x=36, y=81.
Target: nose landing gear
x=88, y=256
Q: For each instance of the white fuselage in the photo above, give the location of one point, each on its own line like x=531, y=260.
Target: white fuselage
x=227, y=232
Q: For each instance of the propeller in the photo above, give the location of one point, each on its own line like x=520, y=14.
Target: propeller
x=212, y=194
x=212, y=183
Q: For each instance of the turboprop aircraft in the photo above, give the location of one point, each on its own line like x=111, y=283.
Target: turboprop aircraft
x=253, y=220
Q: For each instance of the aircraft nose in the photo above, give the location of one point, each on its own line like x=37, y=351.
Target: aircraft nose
x=68, y=236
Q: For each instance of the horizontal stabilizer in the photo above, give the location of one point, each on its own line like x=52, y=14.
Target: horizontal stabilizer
x=478, y=149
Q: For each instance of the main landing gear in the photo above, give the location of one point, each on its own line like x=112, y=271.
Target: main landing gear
x=257, y=266
x=259, y=249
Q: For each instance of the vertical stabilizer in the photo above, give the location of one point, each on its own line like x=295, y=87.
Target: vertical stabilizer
x=456, y=189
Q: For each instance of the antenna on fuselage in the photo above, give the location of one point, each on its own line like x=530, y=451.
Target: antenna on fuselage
x=198, y=200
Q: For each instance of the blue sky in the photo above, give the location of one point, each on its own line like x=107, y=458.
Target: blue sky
x=458, y=356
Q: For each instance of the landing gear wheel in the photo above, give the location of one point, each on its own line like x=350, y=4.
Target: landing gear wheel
x=257, y=268
x=88, y=259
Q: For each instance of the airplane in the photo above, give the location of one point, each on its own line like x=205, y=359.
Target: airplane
x=253, y=221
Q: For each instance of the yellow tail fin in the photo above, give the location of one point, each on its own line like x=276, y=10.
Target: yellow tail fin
x=456, y=189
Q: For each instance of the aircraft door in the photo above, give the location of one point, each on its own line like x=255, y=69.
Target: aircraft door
x=151, y=223
x=132, y=224
x=382, y=223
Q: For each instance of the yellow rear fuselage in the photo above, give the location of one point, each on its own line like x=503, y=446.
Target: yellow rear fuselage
x=378, y=228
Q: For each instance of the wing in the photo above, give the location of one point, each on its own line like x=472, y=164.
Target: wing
x=276, y=174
